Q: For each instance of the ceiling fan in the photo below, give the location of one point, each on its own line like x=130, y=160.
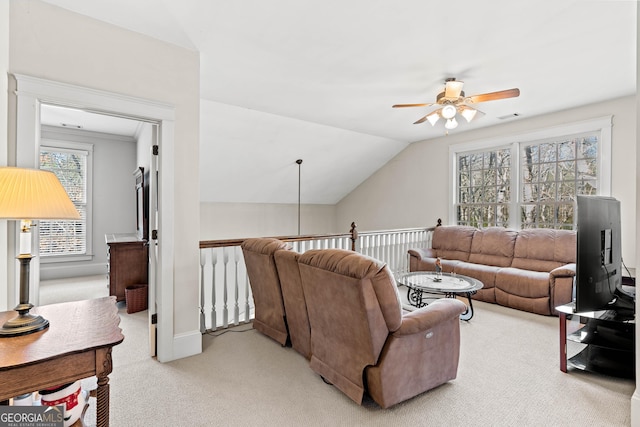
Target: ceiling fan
x=452, y=101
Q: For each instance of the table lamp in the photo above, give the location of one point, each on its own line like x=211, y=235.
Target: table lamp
x=26, y=195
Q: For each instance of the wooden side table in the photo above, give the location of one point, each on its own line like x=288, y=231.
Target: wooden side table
x=76, y=345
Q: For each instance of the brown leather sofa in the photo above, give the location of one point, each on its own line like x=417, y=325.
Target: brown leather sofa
x=530, y=270
x=362, y=340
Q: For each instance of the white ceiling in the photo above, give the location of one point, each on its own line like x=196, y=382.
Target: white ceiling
x=315, y=79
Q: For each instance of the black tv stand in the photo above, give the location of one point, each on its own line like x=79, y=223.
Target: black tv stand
x=598, y=341
x=624, y=302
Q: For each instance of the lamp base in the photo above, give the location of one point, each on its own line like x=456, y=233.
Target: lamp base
x=23, y=324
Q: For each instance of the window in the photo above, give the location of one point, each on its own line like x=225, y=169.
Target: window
x=553, y=173
x=532, y=182
x=71, y=163
x=484, y=188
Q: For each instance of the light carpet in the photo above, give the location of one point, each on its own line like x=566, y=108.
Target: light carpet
x=508, y=375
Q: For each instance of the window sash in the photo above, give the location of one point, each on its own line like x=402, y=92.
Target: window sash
x=60, y=238
x=481, y=197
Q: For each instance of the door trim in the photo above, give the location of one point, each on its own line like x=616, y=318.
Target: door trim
x=31, y=92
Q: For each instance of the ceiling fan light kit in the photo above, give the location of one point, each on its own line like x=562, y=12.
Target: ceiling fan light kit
x=451, y=123
x=433, y=118
x=449, y=111
x=453, y=102
x=468, y=113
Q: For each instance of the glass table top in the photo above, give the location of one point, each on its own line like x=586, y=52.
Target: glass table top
x=443, y=282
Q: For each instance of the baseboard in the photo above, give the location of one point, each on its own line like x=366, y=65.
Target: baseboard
x=53, y=271
x=635, y=408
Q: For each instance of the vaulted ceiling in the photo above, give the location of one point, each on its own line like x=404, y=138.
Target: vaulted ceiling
x=315, y=80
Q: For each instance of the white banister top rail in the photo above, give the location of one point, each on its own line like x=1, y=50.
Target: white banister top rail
x=353, y=235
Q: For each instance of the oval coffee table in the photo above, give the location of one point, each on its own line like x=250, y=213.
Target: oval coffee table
x=450, y=285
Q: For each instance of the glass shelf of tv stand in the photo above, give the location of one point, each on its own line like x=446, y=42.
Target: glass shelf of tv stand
x=598, y=341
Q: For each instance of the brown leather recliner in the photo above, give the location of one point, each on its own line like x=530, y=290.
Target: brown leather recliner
x=265, y=285
x=294, y=302
x=360, y=337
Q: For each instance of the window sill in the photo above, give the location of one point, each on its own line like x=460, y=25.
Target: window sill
x=64, y=258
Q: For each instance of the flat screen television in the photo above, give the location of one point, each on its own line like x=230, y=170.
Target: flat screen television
x=599, y=256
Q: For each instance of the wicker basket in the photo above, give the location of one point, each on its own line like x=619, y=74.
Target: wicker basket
x=136, y=298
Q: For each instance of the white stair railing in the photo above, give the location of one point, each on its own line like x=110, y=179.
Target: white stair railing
x=224, y=280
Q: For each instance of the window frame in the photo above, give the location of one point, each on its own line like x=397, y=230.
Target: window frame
x=86, y=148
x=601, y=125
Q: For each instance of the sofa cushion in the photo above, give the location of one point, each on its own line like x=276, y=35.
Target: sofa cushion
x=493, y=246
x=544, y=249
x=533, y=305
x=484, y=273
x=453, y=242
x=524, y=283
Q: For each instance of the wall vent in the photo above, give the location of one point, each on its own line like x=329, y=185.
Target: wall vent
x=72, y=126
x=510, y=116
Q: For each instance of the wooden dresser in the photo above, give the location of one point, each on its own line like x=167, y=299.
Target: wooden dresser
x=127, y=262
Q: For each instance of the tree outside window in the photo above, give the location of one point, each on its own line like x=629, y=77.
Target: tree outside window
x=551, y=173
x=66, y=237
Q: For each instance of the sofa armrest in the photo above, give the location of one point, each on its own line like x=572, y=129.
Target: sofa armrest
x=430, y=316
x=422, y=253
x=568, y=270
x=561, y=286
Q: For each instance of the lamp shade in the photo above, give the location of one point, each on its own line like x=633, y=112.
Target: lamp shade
x=33, y=194
x=451, y=123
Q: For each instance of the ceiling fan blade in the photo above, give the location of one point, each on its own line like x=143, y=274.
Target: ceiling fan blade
x=433, y=117
x=410, y=105
x=421, y=120
x=493, y=96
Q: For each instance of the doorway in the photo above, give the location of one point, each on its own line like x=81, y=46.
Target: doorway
x=33, y=93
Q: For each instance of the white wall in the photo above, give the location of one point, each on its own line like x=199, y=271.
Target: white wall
x=238, y=220
x=114, y=208
x=58, y=45
x=412, y=189
x=143, y=149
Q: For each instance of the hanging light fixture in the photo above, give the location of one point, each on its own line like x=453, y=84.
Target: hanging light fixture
x=448, y=111
x=451, y=123
x=433, y=118
x=468, y=113
x=453, y=101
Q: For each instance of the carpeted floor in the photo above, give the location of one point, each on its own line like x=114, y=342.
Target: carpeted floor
x=508, y=375
x=73, y=289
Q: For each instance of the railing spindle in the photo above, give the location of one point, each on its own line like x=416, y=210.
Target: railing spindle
x=203, y=261
x=236, y=306
x=214, y=314
x=225, y=308
x=247, y=306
